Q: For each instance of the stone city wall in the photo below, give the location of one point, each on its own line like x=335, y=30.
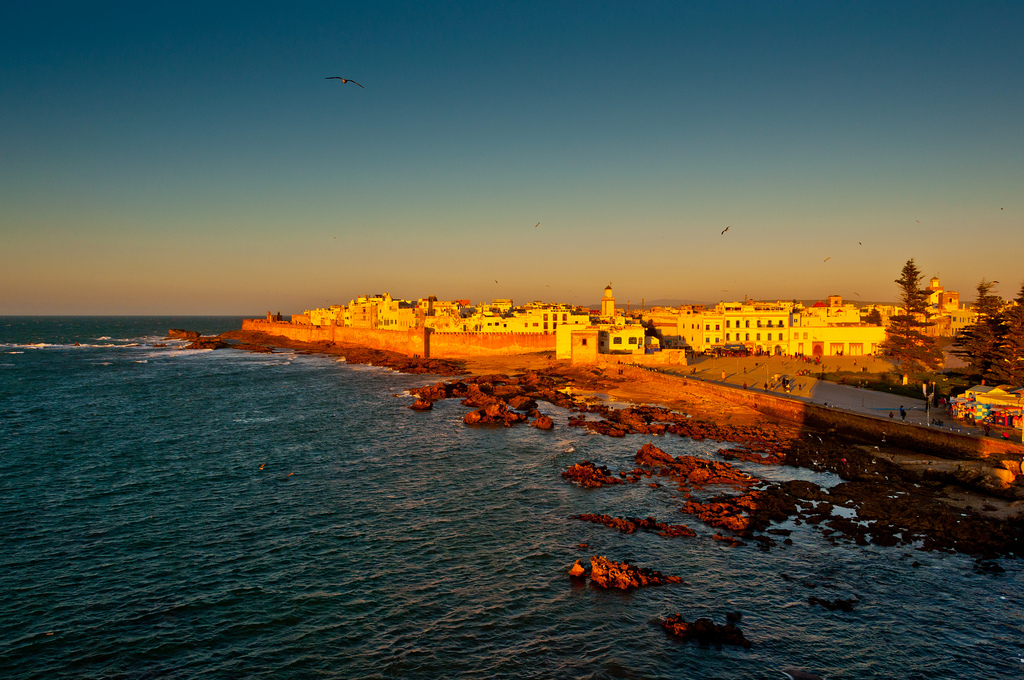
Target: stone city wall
x=411, y=342
x=464, y=345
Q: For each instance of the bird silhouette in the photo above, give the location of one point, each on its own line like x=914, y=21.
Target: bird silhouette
x=859, y=243
x=828, y=258
x=726, y=229
x=343, y=80
x=536, y=225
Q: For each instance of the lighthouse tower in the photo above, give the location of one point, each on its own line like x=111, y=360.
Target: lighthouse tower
x=608, y=303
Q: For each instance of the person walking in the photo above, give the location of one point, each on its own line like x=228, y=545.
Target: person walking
x=903, y=413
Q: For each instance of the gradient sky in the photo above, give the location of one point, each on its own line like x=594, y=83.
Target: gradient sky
x=191, y=158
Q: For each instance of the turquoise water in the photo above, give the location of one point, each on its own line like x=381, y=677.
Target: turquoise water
x=172, y=513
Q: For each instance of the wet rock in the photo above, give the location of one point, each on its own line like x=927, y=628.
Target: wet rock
x=705, y=631
x=589, y=475
x=543, y=423
x=577, y=570
x=208, y=343
x=609, y=574
x=834, y=605
x=181, y=334
x=630, y=524
x=421, y=404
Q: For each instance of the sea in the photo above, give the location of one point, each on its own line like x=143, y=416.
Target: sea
x=170, y=513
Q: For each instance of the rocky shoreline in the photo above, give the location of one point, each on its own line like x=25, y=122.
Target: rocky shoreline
x=877, y=501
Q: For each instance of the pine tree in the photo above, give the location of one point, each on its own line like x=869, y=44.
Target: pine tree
x=905, y=340
x=1008, y=364
x=979, y=343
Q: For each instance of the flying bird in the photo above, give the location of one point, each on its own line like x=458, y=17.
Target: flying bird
x=859, y=243
x=828, y=258
x=343, y=80
x=536, y=225
x=726, y=229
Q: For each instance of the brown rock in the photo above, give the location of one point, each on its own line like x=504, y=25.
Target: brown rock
x=705, y=631
x=543, y=423
x=608, y=574
x=422, y=404
x=180, y=334
x=587, y=474
x=577, y=570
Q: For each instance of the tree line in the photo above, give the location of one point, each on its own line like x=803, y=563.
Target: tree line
x=993, y=347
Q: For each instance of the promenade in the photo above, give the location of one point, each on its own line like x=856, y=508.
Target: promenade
x=757, y=371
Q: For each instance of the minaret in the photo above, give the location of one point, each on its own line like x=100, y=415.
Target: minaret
x=608, y=303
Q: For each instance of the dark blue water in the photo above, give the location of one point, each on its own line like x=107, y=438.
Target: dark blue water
x=171, y=513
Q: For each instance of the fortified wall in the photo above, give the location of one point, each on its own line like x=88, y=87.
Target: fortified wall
x=1001, y=455
x=421, y=342
x=465, y=345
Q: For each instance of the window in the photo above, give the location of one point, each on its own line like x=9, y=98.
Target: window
x=545, y=324
x=633, y=341
x=758, y=323
x=717, y=327
x=759, y=337
x=748, y=336
x=707, y=327
x=583, y=342
x=748, y=325
x=727, y=325
x=769, y=325
x=564, y=318
x=727, y=335
x=616, y=341
x=769, y=335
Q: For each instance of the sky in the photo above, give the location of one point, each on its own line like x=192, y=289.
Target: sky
x=193, y=158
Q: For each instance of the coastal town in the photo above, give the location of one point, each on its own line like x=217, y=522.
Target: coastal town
x=798, y=338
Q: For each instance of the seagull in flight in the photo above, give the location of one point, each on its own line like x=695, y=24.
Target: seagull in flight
x=343, y=80
x=828, y=258
x=536, y=225
x=726, y=229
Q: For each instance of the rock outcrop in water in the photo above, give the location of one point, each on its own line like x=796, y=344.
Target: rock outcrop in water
x=212, y=342
x=181, y=334
x=629, y=525
x=624, y=576
x=705, y=631
x=587, y=474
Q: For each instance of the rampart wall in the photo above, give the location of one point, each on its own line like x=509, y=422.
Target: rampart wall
x=464, y=345
x=411, y=342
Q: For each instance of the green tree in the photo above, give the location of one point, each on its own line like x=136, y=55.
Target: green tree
x=979, y=343
x=906, y=341
x=874, y=317
x=1008, y=364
